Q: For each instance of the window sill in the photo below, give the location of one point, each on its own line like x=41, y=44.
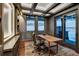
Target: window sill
x=8, y=38
x=10, y=44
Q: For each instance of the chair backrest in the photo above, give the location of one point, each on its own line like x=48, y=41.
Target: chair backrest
x=34, y=38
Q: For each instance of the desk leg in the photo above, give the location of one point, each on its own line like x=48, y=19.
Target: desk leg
x=49, y=48
x=57, y=47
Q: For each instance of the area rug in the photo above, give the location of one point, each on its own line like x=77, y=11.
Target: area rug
x=62, y=51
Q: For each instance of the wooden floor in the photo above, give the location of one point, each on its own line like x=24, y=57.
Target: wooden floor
x=21, y=49
x=63, y=51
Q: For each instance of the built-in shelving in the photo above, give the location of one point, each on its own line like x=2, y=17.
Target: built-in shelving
x=17, y=22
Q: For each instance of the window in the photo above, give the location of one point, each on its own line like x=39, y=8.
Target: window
x=40, y=23
x=8, y=21
x=59, y=27
x=70, y=28
x=30, y=23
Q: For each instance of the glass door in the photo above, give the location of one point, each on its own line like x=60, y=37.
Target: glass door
x=70, y=28
x=59, y=27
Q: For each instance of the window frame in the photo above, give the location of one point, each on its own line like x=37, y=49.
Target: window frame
x=26, y=23
x=36, y=24
x=12, y=26
x=43, y=25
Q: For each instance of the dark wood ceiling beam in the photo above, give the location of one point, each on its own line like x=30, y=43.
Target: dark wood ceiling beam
x=71, y=5
x=53, y=6
x=33, y=7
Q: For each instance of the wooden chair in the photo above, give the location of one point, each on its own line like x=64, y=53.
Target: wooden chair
x=38, y=44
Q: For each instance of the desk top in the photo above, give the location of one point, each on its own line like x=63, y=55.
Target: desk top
x=49, y=38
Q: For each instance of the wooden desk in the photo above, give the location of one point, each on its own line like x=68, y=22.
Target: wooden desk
x=50, y=39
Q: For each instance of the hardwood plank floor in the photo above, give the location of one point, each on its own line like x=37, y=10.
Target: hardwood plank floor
x=25, y=49
x=21, y=50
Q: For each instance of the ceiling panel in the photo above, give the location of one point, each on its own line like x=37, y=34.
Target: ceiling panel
x=37, y=13
x=47, y=14
x=43, y=6
x=59, y=7
x=27, y=5
x=26, y=11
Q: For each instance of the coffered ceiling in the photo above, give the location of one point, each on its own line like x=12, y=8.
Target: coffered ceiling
x=43, y=9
